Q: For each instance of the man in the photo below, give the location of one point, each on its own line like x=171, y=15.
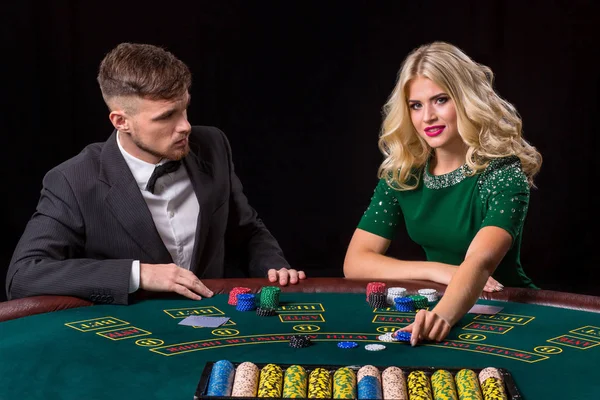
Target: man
x=155, y=207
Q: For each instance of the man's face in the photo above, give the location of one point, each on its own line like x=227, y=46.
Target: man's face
x=157, y=129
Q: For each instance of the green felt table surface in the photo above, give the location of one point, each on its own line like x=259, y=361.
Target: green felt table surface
x=140, y=351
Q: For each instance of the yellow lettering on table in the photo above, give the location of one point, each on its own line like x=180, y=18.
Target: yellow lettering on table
x=225, y=332
x=301, y=307
x=96, y=323
x=591, y=331
x=186, y=312
x=473, y=337
x=306, y=328
x=507, y=318
x=547, y=350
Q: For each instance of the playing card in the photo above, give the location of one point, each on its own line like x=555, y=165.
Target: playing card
x=484, y=309
x=207, y=322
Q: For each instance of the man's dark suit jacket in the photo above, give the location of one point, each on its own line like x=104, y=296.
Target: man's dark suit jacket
x=91, y=222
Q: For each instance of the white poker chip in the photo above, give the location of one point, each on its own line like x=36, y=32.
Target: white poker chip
x=424, y=292
x=387, y=337
x=374, y=347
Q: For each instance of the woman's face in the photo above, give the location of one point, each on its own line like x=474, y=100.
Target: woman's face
x=433, y=114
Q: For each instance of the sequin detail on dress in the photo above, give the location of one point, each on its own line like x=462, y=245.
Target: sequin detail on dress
x=443, y=181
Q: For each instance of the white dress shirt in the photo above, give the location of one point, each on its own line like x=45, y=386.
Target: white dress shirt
x=174, y=209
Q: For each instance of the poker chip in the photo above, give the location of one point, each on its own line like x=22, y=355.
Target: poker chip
x=299, y=341
x=295, y=382
x=245, y=382
x=375, y=287
x=377, y=300
x=394, y=292
x=387, y=337
x=270, y=383
x=419, y=386
x=344, y=383
x=404, y=304
x=269, y=296
x=221, y=378
x=419, y=301
x=245, y=302
x=319, y=384
x=430, y=294
x=234, y=292
x=374, y=347
x=393, y=383
x=265, y=312
x=347, y=345
x=402, y=336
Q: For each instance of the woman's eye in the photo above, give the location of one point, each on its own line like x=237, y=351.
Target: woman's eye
x=415, y=106
x=442, y=100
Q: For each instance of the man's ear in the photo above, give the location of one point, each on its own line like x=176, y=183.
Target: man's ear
x=119, y=120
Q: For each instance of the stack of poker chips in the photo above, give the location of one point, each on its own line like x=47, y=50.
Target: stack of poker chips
x=245, y=302
x=221, y=379
x=295, y=382
x=430, y=294
x=270, y=381
x=245, y=382
x=265, y=312
x=269, y=297
x=299, y=341
x=419, y=386
x=375, y=287
x=368, y=380
x=398, y=336
x=492, y=384
x=394, y=292
x=467, y=384
x=443, y=385
x=394, y=384
x=344, y=383
x=319, y=384
x=419, y=301
x=377, y=300
x=404, y=304
x=234, y=292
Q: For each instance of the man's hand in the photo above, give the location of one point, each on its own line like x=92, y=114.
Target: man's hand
x=492, y=285
x=172, y=278
x=427, y=326
x=285, y=275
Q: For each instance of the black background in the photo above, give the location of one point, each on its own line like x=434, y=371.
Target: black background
x=298, y=88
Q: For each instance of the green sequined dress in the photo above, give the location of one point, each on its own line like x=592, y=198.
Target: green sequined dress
x=445, y=212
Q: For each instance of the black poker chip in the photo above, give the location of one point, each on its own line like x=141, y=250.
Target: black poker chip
x=265, y=312
x=377, y=300
x=299, y=341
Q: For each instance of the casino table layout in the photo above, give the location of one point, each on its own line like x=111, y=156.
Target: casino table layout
x=548, y=342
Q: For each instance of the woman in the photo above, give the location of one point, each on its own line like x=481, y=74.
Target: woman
x=458, y=172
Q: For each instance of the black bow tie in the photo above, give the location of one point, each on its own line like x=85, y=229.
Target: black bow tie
x=166, y=168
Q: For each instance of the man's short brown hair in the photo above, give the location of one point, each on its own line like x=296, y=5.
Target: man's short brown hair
x=143, y=70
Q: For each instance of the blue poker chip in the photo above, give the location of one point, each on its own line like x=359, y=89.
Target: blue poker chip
x=402, y=336
x=347, y=345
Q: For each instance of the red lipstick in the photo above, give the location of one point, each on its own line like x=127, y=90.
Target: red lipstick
x=434, y=130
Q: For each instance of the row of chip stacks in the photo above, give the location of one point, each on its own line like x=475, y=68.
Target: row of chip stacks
x=368, y=382
x=378, y=295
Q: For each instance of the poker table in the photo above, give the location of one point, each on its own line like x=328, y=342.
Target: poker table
x=57, y=347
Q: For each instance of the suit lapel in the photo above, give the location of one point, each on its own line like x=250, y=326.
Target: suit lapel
x=201, y=175
x=126, y=202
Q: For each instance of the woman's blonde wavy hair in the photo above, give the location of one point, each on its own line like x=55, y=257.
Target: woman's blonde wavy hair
x=488, y=124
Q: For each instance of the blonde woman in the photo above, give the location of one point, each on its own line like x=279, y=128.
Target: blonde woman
x=457, y=172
